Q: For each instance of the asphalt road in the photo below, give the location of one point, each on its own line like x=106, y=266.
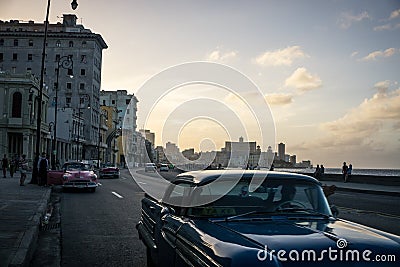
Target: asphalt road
x=98, y=229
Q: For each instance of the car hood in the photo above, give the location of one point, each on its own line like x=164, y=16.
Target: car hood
x=299, y=235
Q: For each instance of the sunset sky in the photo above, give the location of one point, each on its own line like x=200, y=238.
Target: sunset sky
x=329, y=70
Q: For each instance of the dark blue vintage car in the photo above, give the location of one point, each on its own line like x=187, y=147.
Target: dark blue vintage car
x=255, y=218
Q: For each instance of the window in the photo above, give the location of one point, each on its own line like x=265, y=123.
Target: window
x=1, y=42
x=68, y=100
x=83, y=59
x=83, y=72
x=82, y=86
x=71, y=44
x=69, y=86
x=83, y=43
x=15, y=56
x=58, y=43
x=15, y=42
x=16, y=105
x=70, y=72
x=127, y=101
x=113, y=102
x=30, y=42
x=57, y=57
x=1, y=57
x=104, y=102
x=29, y=57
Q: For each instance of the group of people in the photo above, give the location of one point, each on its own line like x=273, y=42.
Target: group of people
x=21, y=164
x=346, y=171
x=16, y=164
x=319, y=172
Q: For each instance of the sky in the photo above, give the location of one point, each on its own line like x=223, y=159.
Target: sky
x=328, y=70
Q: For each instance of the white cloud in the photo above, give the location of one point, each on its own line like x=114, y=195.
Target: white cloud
x=279, y=99
x=281, y=57
x=379, y=54
x=347, y=19
x=383, y=27
x=395, y=14
x=302, y=80
x=362, y=125
x=219, y=56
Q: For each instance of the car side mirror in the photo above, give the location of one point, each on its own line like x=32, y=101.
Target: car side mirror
x=335, y=211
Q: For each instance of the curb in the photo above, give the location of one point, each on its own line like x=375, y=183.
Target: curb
x=27, y=246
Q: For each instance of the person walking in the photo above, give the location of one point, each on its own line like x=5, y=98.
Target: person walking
x=43, y=165
x=23, y=168
x=12, y=167
x=344, y=171
x=4, y=165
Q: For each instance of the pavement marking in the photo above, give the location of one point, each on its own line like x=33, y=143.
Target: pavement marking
x=141, y=183
x=117, y=195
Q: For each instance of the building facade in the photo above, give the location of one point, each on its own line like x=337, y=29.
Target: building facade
x=74, y=59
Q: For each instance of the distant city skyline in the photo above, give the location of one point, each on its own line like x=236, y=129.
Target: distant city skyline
x=328, y=69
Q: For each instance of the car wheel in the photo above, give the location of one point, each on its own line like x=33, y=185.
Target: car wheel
x=150, y=262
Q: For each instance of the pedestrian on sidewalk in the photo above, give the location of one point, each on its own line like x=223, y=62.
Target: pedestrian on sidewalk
x=344, y=171
x=4, y=165
x=43, y=166
x=23, y=168
x=13, y=166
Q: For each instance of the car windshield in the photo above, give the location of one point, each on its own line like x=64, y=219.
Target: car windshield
x=76, y=167
x=272, y=197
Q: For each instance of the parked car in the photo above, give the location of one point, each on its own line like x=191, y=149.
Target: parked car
x=109, y=171
x=260, y=223
x=150, y=167
x=164, y=168
x=74, y=175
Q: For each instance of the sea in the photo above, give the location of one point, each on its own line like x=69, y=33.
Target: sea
x=371, y=172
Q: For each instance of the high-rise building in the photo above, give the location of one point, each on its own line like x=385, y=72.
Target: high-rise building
x=281, y=151
x=21, y=45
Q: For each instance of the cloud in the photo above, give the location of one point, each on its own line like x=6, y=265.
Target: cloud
x=280, y=57
x=395, y=14
x=346, y=19
x=383, y=27
x=219, y=56
x=363, y=124
x=279, y=99
x=302, y=80
x=380, y=54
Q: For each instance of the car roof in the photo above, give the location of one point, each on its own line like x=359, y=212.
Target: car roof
x=207, y=176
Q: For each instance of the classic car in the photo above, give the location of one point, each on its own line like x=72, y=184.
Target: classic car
x=254, y=218
x=109, y=171
x=74, y=175
x=150, y=167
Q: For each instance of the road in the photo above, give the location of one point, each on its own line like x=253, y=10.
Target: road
x=98, y=229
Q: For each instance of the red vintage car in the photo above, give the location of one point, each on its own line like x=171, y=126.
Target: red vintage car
x=74, y=175
x=109, y=171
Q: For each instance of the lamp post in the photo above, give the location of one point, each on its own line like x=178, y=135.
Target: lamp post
x=66, y=63
x=82, y=99
x=74, y=5
x=104, y=114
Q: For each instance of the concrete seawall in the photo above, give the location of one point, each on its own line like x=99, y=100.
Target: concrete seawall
x=363, y=179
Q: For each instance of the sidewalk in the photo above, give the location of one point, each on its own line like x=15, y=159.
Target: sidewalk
x=21, y=209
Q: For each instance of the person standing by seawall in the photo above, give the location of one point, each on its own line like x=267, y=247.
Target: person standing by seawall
x=349, y=171
x=344, y=171
x=322, y=172
x=4, y=165
x=23, y=168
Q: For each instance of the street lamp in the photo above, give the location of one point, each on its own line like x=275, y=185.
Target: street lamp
x=82, y=99
x=74, y=5
x=66, y=63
